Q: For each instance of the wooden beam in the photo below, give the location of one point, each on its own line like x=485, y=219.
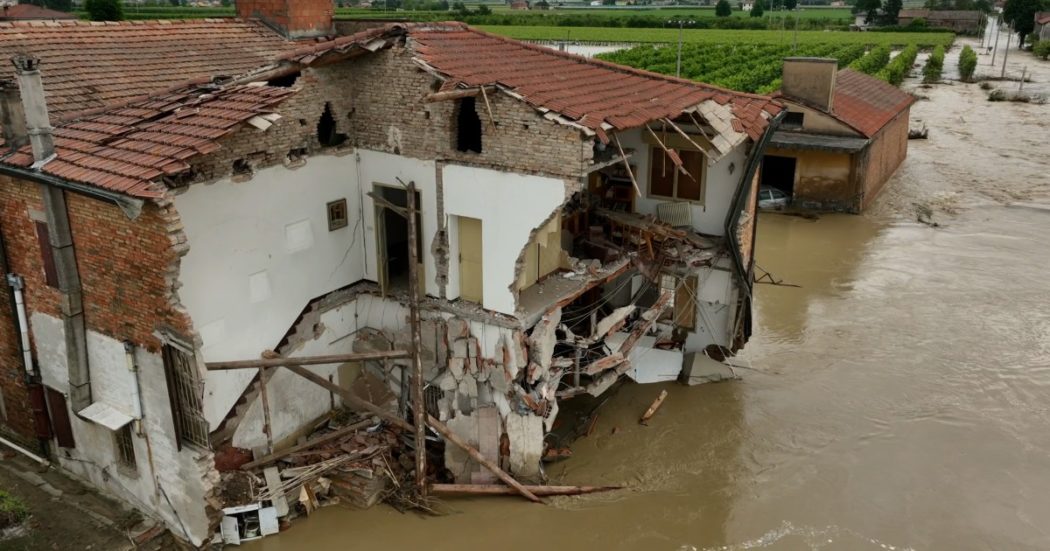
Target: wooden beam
x=690, y=140
x=488, y=107
x=495, y=489
x=652, y=409
x=307, y=360
x=670, y=153
x=455, y=94
x=266, y=460
x=438, y=426
x=387, y=204
x=630, y=172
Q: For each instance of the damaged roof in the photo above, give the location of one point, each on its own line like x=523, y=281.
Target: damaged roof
x=596, y=95
x=89, y=65
x=126, y=149
x=866, y=103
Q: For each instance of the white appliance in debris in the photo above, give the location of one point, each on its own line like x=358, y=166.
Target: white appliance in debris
x=247, y=523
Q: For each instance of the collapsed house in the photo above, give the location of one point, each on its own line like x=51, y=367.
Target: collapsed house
x=245, y=194
x=843, y=136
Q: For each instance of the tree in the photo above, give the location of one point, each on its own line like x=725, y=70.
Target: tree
x=1020, y=14
x=891, y=10
x=104, y=10
x=722, y=8
x=870, y=9
x=790, y=4
x=757, y=9
x=983, y=6
x=484, y=10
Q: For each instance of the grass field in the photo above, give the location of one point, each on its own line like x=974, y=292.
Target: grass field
x=718, y=36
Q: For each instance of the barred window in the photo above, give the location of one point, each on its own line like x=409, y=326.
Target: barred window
x=184, y=392
x=125, y=446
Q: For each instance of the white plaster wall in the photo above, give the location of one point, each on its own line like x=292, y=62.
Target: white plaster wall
x=714, y=301
x=94, y=458
x=293, y=400
x=384, y=168
x=259, y=252
x=708, y=218
x=509, y=206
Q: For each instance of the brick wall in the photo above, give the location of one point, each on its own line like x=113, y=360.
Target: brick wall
x=377, y=102
x=295, y=18
x=126, y=269
x=880, y=160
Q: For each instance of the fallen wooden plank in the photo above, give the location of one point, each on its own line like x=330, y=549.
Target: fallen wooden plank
x=307, y=360
x=273, y=480
x=652, y=409
x=438, y=426
x=495, y=489
x=266, y=460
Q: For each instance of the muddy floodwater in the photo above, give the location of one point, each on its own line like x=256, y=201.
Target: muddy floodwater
x=898, y=399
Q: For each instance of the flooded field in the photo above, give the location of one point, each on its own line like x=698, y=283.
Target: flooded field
x=898, y=399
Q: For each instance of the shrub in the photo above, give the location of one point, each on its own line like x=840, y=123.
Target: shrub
x=1041, y=49
x=104, y=10
x=967, y=63
x=12, y=510
x=898, y=68
x=934, y=65
x=873, y=61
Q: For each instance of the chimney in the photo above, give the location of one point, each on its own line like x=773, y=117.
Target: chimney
x=27, y=68
x=12, y=116
x=810, y=79
x=292, y=18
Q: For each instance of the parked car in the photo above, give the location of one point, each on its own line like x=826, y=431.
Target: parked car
x=772, y=198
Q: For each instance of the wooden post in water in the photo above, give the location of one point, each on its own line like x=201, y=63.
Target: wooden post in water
x=418, y=406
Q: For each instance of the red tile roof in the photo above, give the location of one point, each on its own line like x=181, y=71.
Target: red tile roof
x=594, y=94
x=25, y=12
x=1042, y=18
x=126, y=149
x=88, y=65
x=866, y=103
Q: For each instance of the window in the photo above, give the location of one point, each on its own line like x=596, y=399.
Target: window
x=184, y=395
x=125, y=446
x=337, y=217
x=47, y=254
x=665, y=180
x=793, y=120
x=327, y=135
x=468, y=126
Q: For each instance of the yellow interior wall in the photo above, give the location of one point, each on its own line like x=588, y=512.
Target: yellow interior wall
x=543, y=254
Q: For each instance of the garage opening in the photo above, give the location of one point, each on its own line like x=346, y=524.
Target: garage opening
x=392, y=240
x=779, y=173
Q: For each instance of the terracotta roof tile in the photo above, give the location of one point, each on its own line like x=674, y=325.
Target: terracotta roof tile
x=119, y=152
x=86, y=65
x=867, y=103
x=25, y=12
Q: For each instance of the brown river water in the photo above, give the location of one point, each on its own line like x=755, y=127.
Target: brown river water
x=898, y=399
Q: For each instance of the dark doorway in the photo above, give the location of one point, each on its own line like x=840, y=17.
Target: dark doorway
x=468, y=126
x=392, y=238
x=779, y=173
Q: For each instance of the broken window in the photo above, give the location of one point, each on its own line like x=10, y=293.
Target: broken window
x=184, y=395
x=793, y=120
x=468, y=126
x=125, y=446
x=326, y=129
x=47, y=254
x=337, y=216
x=665, y=180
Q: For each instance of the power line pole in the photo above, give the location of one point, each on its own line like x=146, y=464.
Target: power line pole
x=1006, y=53
x=998, y=26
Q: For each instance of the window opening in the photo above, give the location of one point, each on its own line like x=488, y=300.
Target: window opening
x=468, y=126
x=665, y=180
x=326, y=130
x=122, y=439
x=183, y=392
x=393, y=237
x=793, y=120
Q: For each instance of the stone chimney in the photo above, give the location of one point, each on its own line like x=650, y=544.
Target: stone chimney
x=27, y=69
x=811, y=80
x=12, y=116
x=292, y=18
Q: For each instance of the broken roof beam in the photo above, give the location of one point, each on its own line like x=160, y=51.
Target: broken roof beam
x=670, y=153
x=459, y=94
x=627, y=165
x=688, y=138
x=307, y=360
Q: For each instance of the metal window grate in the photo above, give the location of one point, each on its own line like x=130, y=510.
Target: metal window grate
x=185, y=393
x=125, y=446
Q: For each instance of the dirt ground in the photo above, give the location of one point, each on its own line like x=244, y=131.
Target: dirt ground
x=64, y=513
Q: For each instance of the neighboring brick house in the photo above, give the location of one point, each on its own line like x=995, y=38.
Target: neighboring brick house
x=844, y=135
x=208, y=193
x=30, y=12
x=960, y=21
x=1042, y=25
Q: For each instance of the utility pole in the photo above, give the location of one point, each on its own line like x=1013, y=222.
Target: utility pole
x=1006, y=54
x=795, y=47
x=998, y=25
x=418, y=406
x=681, y=27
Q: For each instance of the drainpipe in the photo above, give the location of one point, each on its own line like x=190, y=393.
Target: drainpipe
x=17, y=283
x=38, y=125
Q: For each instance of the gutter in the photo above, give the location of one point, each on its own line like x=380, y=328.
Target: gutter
x=132, y=207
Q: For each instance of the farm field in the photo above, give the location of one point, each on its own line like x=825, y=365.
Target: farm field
x=719, y=36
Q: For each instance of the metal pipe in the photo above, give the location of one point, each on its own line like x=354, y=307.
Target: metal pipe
x=25, y=452
x=17, y=283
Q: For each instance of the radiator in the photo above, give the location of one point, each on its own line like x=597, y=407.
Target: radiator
x=675, y=213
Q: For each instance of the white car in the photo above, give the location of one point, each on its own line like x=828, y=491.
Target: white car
x=772, y=198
